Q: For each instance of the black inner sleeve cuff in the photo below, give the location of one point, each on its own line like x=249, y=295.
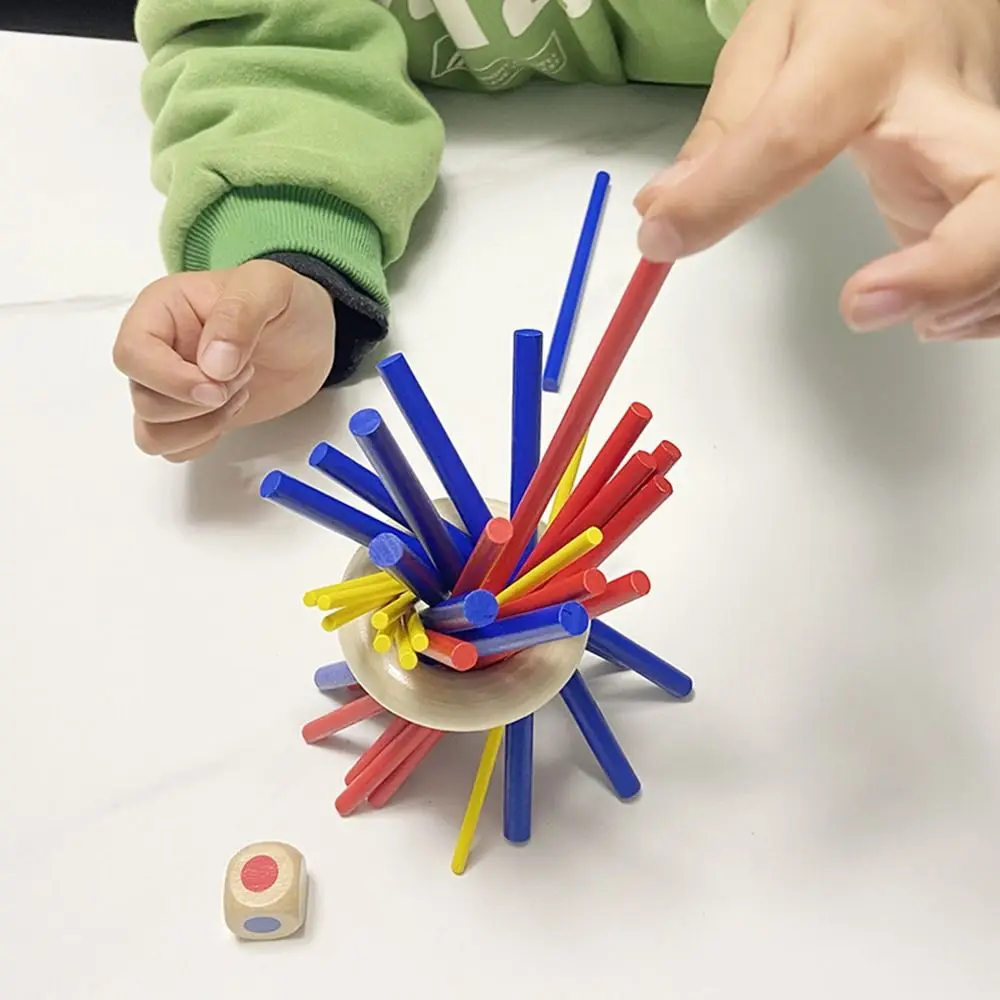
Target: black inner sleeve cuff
x=361, y=322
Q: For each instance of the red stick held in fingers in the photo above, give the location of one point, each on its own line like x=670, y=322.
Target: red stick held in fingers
x=638, y=299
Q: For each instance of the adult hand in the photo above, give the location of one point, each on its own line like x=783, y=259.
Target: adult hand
x=910, y=88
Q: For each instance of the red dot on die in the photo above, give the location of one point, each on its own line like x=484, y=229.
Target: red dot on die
x=259, y=873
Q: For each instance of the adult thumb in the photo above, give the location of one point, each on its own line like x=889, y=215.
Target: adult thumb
x=255, y=294
x=746, y=67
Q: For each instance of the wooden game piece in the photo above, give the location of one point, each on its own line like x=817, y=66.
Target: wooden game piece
x=265, y=893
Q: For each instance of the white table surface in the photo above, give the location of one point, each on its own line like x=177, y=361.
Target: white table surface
x=822, y=821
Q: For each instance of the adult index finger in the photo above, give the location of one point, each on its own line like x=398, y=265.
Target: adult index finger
x=830, y=90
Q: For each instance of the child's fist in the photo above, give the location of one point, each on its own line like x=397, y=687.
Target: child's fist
x=211, y=350
x=910, y=88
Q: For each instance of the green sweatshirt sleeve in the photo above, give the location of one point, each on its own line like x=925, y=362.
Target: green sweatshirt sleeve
x=285, y=125
x=726, y=14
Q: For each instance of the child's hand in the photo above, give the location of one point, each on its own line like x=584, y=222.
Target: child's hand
x=910, y=87
x=209, y=351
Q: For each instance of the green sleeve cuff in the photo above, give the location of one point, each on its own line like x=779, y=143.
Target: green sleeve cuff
x=726, y=14
x=246, y=223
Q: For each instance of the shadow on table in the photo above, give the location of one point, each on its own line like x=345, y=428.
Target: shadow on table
x=223, y=486
x=890, y=401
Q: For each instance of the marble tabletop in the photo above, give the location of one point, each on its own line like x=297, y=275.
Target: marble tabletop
x=821, y=821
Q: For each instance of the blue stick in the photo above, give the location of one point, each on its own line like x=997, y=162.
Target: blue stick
x=364, y=483
x=354, y=476
x=600, y=738
x=434, y=440
x=559, y=621
x=526, y=421
x=525, y=450
x=555, y=363
x=388, y=553
x=293, y=494
x=334, y=676
x=517, y=767
x=526, y=413
x=616, y=648
x=399, y=479
x=472, y=610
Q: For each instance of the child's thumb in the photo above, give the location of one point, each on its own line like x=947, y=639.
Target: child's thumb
x=256, y=293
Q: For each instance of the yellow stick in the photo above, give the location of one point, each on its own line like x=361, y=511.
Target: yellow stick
x=417, y=633
x=407, y=658
x=568, y=481
x=479, y=789
x=382, y=642
x=384, y=617
x=383, y=592
x=339, y=618
x=310, y=597
x=588, y=539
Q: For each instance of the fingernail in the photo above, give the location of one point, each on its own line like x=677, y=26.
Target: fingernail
x=947, y=323
x=878, y=310
x=931, y=335
x=666, y=178
x=243, y=379
x=208, y=394
x=659, y=241
x=220, y=361
x=239, y=401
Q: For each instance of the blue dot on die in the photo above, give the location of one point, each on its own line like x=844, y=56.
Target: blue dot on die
x=261, y=925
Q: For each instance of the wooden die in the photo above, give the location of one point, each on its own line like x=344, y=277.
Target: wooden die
x=265, y=892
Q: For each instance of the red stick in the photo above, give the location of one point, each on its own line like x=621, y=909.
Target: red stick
x=452, y=652
x=578, y=587
x=626, y=521
x=379, y=769
x=391, y=732
x=612, y=452
x=633, y=475
x=358, y=710
x=495, y=536
x=666, y=455
x=394, y=782
x=618, y=338
x=623, y=590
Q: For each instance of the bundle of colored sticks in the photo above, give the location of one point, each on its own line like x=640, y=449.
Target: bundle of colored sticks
x=467, y=596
